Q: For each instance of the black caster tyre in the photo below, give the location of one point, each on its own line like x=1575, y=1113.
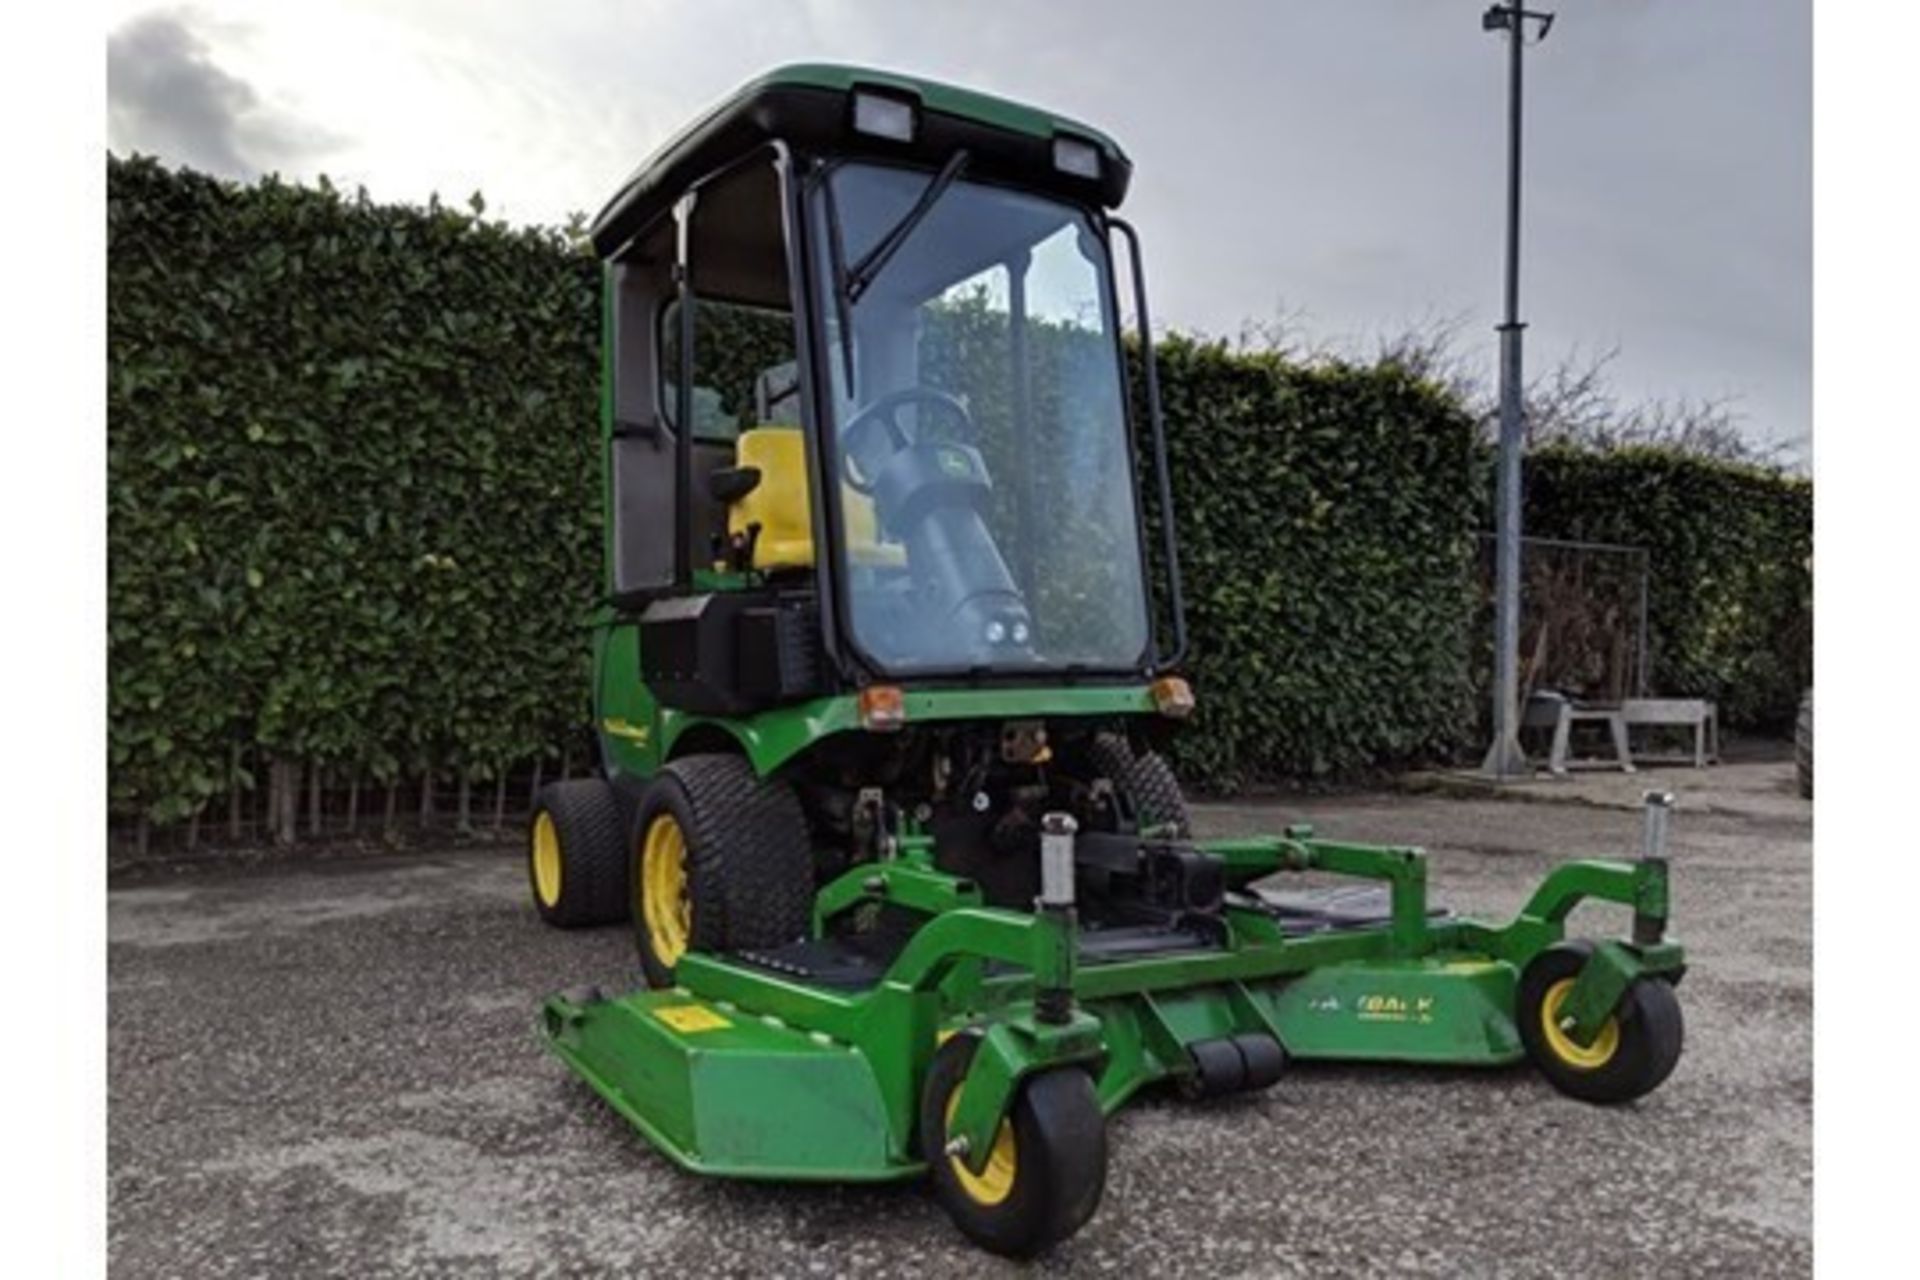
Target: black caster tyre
x=721, y=861
x=1635, y=1051
x=577, y=855
x=1146, y=780
x=1048, y=1166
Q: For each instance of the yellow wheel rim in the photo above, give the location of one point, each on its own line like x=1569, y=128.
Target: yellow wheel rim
x=1564, y=1047
x=664, y=904
x=546, y=860
x=995, y=1182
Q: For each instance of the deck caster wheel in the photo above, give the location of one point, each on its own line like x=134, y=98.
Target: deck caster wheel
x=576, y=855
x=1048, y=1165
x=1636, y=1049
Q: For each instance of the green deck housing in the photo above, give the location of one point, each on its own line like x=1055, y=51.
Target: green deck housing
x=735, y=1072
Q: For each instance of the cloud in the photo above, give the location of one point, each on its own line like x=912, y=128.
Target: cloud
x=168, y=97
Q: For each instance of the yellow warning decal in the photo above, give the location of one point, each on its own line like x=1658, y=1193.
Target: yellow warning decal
x=689, y=1018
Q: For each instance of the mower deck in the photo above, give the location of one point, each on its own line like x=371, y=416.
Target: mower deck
x=803, y=1061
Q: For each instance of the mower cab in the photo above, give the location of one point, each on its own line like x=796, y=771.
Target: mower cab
x=879, y=681
x=893, y=335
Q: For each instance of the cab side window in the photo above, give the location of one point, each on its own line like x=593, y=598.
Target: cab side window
x=743, y=368
x=722, y=253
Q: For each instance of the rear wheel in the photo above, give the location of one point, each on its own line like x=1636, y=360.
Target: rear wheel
x=1636, y=1049
x=1048, y=1166
x=576, y=857
x=1803, y=746
x=721, y=861
x=1147, y=782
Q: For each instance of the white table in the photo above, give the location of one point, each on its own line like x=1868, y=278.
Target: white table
x=1697, y=714
x=1559, y=713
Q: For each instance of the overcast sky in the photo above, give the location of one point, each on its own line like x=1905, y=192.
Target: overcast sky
x=1336, y=164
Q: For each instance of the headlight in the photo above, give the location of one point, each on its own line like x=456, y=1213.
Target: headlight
x=1077, y=157
x=883, y=117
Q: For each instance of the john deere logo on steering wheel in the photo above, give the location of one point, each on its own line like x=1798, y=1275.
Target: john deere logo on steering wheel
x=955, y=463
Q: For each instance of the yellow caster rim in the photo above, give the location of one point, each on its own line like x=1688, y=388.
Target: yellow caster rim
x=994, y=1183
x=546, y=860
x=664, y=902
x=1563, y=1046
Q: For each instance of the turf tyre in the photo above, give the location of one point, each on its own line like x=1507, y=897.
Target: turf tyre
x=1803, y=746
x=1059, y=1135
x=1650, y=1031
x=583, y=818
x=748, y=858
x=1145, y=779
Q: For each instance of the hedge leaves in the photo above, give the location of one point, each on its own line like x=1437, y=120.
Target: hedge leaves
x=353, y=489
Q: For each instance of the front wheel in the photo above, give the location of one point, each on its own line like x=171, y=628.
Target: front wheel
x=1636, y=1049
x=1147, y=782
x=721, y=861
x=1048, y=1166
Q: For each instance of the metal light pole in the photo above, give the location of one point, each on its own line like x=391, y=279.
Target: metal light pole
x=1504, y=757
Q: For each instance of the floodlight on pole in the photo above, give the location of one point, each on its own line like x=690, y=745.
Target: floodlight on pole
x=1504, y=757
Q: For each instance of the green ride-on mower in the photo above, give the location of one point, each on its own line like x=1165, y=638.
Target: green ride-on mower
x=880, y=677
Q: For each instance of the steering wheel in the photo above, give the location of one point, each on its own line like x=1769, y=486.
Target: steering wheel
x=883, y=416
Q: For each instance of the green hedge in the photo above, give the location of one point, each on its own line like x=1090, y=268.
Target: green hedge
x=352, y=485
x=1730, y=560
x=354, y=511
x=1326, y=517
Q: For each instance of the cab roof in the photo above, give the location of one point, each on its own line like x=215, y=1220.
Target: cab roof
x=809, y=106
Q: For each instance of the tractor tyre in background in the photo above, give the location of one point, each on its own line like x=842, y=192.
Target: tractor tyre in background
x=1803, y=746
x=1145, y=779
x=720, y=861
x=577, y=854
x=1636, y=1049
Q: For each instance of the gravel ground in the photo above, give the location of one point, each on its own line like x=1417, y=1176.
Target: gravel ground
x=331, y=1069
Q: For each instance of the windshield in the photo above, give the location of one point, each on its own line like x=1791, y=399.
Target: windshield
x=978, y=427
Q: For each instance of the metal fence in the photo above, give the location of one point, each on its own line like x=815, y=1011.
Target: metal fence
x=1584, y=627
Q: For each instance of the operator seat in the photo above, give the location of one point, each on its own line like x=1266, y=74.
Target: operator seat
x=777, y=501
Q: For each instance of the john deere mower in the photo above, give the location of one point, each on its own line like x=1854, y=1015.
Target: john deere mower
x=883, y=668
